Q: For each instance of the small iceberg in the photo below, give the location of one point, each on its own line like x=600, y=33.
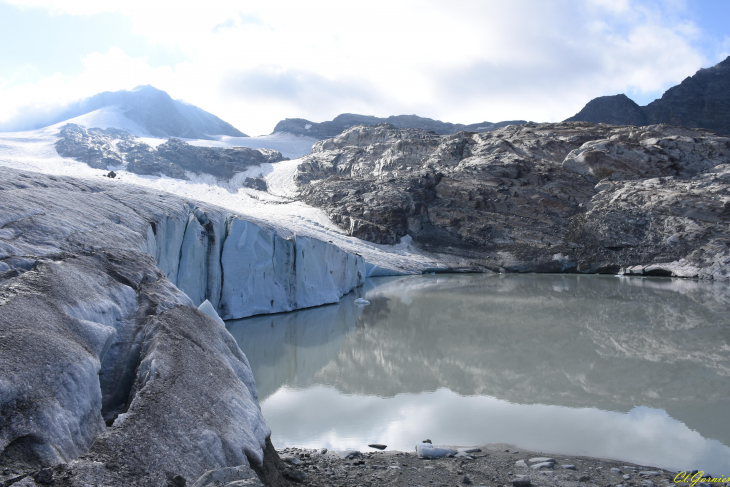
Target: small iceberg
x=361, y=302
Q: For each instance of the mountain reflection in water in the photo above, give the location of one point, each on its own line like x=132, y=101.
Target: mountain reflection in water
x=627, y=368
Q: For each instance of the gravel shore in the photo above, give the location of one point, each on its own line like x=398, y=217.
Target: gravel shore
x=494, y=465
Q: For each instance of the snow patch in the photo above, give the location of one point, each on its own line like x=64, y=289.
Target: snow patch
x=107, y=117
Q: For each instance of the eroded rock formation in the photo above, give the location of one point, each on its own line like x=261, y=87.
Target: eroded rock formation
x=537, y=197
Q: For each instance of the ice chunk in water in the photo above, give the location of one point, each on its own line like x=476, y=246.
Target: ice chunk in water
x=208, y=309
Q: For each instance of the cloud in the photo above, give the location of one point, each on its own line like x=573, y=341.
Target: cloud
x=301, y=87
x=551, y=73
x=257, y=62
x=242, y=20
x=32, y=105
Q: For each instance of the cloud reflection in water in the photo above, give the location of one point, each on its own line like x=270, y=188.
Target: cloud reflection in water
x=633, y=369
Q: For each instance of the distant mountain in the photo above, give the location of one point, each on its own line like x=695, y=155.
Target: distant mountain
x=700, y=101
x=614, y=110
x=340, y=123
x=151, y=109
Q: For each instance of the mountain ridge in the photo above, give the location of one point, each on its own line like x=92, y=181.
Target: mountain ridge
x=342, y=122
x=699, y=101
x=152, y=109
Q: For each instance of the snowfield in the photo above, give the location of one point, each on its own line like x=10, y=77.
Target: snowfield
x=35, y=151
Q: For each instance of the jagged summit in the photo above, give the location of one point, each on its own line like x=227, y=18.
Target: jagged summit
x=146, y=109
x=700, y=101
x=614, y=110
x=334, y=127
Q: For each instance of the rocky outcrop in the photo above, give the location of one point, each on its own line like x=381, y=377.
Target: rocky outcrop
x=104, y=356
x=333, y=128
x=113, y=148
x=569, y=197
x=700, y=101
x=614, y=110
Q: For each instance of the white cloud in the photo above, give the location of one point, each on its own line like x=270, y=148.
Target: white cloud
x=253, y=64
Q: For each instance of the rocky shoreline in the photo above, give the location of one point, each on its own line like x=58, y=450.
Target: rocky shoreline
x=492, y=465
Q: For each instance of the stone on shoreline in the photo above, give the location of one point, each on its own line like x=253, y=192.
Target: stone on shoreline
x=542, y=460
x=349, y=454
x=522, y=481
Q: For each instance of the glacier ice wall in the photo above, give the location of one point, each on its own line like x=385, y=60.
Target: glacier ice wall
x=266, y=273
x=244, y=268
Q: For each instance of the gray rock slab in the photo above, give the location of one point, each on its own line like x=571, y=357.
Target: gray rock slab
x=541, y=460
x=349, y=454
x=521, y=481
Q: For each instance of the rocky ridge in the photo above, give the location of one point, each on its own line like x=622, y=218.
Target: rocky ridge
x=700, y=101
x=613, y=110
x=114, y=149
x=567, y=197
x=334, y=127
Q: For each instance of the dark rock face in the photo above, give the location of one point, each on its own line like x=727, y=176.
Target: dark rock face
x=102, y=148
x=700, y=101
x=92, y=147
x=537, y=197
x=340, y=123
x=256, y=183
x=614, y=110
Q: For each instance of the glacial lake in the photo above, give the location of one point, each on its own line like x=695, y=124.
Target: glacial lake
x=633, y=369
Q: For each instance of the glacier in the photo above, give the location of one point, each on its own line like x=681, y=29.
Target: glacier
x=101, y=282
x=35, y=151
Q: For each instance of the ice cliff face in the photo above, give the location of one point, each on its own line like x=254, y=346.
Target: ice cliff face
x=125, y=367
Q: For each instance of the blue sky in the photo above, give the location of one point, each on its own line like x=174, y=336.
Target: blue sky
x=253, y=63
